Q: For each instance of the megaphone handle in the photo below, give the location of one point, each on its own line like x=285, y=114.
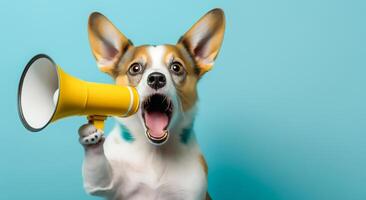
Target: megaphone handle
x=97, y=121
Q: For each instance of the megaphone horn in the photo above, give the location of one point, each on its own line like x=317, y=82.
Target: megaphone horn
x=46, y=93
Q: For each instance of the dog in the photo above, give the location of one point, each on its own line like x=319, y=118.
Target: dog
x=152, y=154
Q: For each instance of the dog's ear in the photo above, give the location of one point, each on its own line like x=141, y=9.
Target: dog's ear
x=203, y=40
x=107, y=43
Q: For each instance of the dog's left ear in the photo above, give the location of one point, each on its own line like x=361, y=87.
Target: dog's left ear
x=203, y=40
x=108, y=44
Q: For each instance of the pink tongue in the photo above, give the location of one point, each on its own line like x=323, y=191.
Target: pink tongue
x=156, y=122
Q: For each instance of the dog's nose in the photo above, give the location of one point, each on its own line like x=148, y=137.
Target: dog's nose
x=156, y=80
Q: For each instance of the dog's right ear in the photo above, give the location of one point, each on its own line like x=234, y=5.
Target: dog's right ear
x=108, y=44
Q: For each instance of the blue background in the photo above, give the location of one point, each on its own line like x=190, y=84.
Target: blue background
x=281, y=116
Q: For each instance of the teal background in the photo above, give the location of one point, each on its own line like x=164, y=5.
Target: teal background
x=281, y=116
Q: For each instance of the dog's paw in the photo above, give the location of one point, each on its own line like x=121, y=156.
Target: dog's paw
x=89, y=135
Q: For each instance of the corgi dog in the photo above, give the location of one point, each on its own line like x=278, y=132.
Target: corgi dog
x=152, y=154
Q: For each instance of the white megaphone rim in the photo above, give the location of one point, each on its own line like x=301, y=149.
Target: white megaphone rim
x=20, y=87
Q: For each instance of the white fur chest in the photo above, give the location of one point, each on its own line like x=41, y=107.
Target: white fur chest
x=141, y=171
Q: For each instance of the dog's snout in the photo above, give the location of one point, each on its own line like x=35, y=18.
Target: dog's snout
x=156, y=80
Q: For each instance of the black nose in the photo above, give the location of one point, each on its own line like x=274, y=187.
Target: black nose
x=156, y=80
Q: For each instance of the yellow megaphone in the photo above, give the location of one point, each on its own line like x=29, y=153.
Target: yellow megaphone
x=46, y=93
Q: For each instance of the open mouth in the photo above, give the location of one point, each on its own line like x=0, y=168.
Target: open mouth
x=157, y=111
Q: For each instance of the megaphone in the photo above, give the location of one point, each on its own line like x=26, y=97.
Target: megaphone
x=46, y=93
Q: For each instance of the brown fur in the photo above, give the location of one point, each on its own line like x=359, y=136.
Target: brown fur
x=205, y=169
x=203, y=164
x=208, y=197
x=187, y=88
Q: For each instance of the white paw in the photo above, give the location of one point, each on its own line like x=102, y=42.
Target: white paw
x=89, y=135
x=93, y=138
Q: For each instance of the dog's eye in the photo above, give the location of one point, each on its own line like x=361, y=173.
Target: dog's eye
x=177, y=68
x=135, y=69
